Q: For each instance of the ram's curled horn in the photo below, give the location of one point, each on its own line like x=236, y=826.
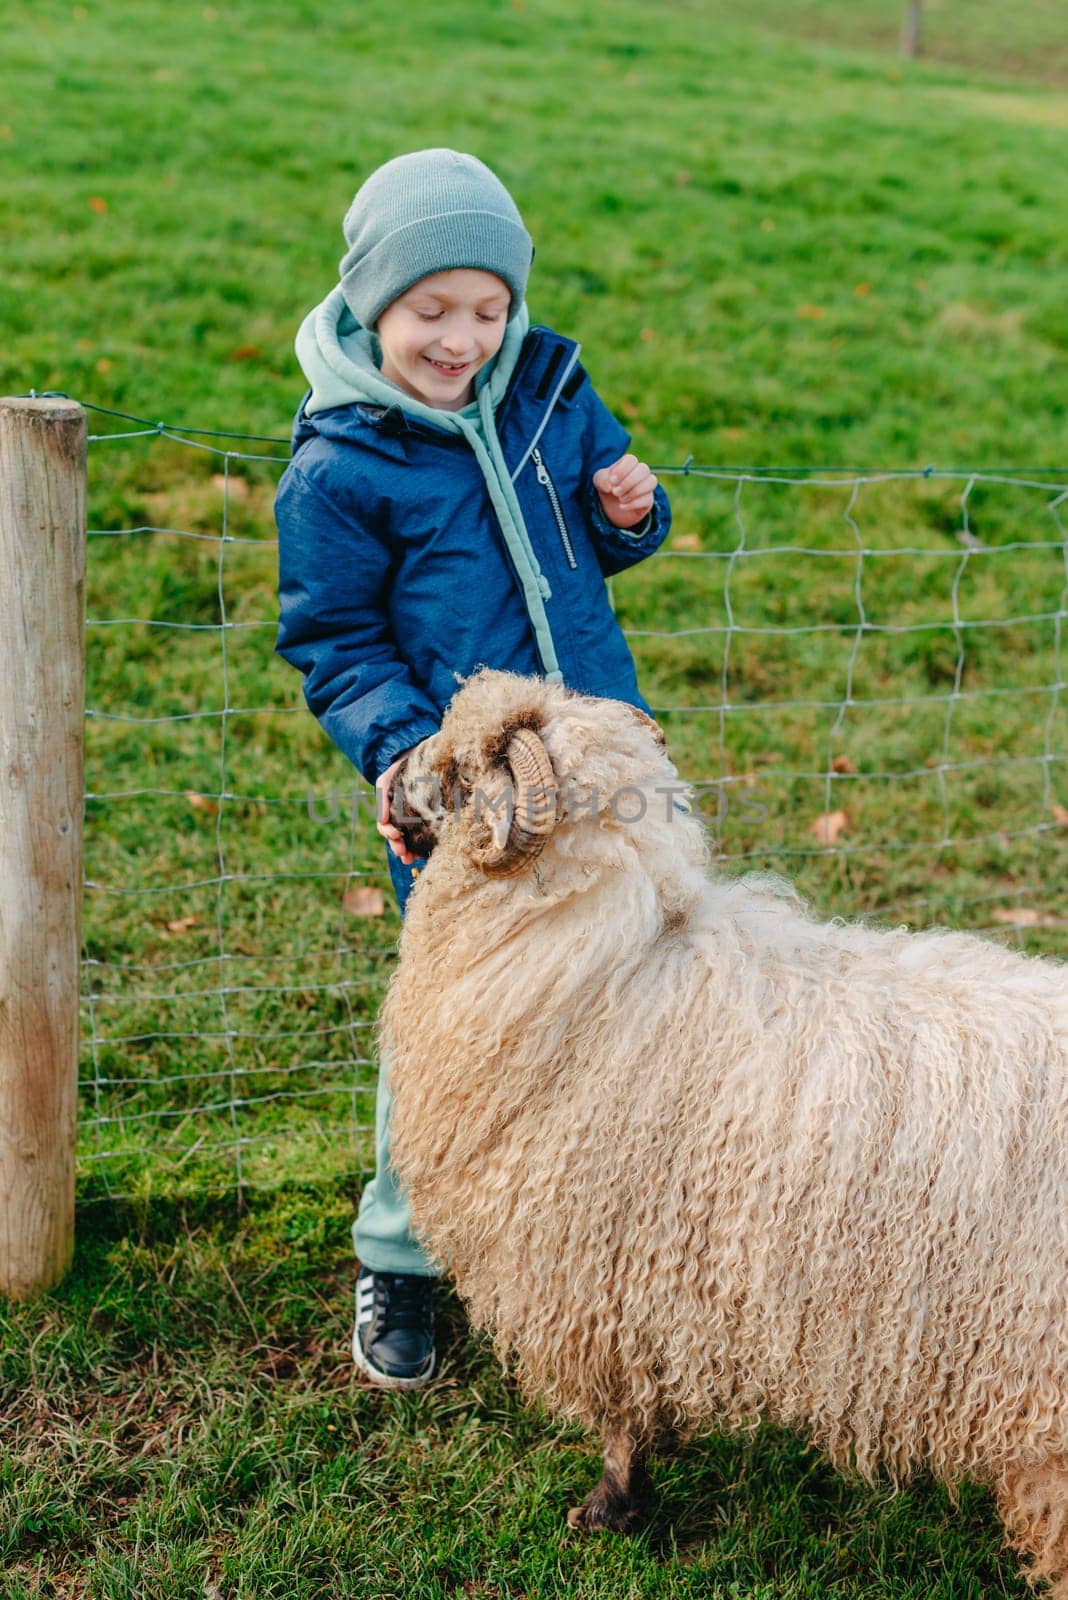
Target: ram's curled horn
x=533, y=819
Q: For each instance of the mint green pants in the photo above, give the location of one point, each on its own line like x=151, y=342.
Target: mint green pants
x=382, y=1234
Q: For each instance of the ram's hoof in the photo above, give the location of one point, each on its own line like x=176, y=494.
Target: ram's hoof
x=596, y=1513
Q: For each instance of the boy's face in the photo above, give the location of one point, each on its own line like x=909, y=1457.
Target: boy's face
x=439, y=333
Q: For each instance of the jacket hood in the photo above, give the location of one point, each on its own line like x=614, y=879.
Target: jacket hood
x=340, y=359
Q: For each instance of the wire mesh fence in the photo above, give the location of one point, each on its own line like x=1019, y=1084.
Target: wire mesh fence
x=861, y=673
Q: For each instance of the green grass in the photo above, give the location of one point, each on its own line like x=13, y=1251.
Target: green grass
x=697, y=190
x=778, y=244
x=962, y=33
x=182, y=1421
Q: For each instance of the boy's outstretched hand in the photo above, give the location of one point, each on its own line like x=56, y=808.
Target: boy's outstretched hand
x=392, y=834
x=625, y=490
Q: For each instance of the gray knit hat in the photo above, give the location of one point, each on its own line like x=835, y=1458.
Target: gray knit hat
x=427, y=212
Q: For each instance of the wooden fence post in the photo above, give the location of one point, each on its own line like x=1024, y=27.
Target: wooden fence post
x=42, y=710
x=911, y=28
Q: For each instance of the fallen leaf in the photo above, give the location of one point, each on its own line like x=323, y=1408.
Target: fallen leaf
x=827, y=826
x=648, y=334
x=1060, y=814
x=235, y=485
x=862, y=290
x=685, y=541
x=1026, y=917
x=201, y=801
x=363, y=902
x=967, y=538
x=980, y=322
x=682, y=178
x=103, y=365
x=246, y=352
x=182, y=924
x=98, y=204
x=842, y=764
x=768, y=224
x=812, y=313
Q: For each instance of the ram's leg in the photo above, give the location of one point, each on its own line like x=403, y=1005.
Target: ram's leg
x=622, y=1496
x=1033, y=1503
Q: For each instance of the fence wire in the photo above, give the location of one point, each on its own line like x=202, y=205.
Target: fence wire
x=861, y=673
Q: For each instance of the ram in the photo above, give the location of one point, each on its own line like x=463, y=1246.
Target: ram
x=695, y=1157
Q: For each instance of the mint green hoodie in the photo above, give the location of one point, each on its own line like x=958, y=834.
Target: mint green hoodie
x=340, y=359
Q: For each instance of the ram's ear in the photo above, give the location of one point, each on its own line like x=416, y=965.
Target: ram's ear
x=488, y=803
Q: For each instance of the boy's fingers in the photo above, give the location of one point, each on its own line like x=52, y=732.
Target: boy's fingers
x=639, y=473
x=637, y=483
x=609, y=478
x=383, y=788
x=641, y=495
x=395, y=839
x=643, y=490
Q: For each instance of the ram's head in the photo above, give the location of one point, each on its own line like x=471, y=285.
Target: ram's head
x=513, y=758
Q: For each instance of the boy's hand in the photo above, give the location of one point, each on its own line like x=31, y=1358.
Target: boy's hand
x=392, y=835
x=625, y=490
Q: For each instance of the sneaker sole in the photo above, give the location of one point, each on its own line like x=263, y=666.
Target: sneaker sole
x=385, y=1380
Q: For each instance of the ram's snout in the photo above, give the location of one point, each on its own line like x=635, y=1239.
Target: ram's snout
x=417, y=805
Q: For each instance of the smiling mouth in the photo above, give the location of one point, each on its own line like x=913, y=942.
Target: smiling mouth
x=450, y=370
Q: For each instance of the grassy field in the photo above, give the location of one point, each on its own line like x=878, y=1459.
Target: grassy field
x=780, y=246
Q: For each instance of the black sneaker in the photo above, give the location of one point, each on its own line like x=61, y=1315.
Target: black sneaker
x=393, y=1340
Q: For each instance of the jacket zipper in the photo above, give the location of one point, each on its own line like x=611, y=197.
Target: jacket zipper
x=554, y=500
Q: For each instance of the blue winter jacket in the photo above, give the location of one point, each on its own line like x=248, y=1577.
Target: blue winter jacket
x=394, y=579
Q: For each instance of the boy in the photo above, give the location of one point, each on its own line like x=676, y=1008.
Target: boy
x=457, y=496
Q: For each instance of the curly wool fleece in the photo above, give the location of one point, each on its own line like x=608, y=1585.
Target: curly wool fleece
x=696, y=1158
